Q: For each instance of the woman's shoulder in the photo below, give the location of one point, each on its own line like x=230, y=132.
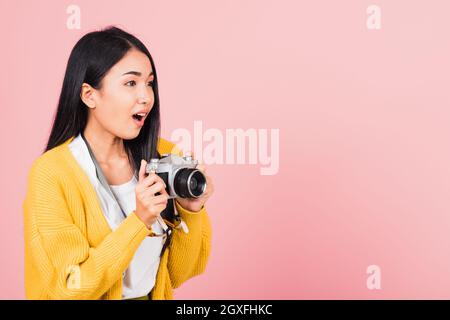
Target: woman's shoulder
x=165, y=146
x=52, y=161
x=55, y=161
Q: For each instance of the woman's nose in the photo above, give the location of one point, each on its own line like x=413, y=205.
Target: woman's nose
x=144, y=100
x=144, y=96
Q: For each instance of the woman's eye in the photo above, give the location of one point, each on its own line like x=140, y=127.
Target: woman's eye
x=130, y=83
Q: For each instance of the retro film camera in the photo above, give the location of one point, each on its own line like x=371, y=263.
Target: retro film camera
x=180, y=175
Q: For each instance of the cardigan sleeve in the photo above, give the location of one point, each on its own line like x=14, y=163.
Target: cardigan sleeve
x=67, y=266
x=189, y=253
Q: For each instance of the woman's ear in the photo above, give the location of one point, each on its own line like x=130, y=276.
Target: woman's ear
x=87, y=95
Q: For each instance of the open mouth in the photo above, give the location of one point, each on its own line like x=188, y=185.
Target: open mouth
x=139, y=117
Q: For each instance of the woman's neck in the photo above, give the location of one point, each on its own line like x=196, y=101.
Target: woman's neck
x=106, y=147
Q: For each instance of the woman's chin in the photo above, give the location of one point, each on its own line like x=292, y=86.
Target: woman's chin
x=130, y=135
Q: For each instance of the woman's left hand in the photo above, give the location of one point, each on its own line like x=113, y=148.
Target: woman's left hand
x=196, y=204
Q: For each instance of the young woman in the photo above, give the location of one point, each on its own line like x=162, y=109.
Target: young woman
x=92, y=216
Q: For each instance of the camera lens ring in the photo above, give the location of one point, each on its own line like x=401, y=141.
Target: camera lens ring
x=203, y=184
x=182, y=183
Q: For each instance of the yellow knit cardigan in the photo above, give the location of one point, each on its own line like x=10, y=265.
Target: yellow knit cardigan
x=68, y=240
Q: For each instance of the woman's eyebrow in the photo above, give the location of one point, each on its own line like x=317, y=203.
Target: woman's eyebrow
x=136, y=73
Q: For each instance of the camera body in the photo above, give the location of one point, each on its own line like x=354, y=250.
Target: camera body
x=180, y=175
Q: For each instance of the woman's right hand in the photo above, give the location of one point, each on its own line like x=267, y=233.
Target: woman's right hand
x=149, y=205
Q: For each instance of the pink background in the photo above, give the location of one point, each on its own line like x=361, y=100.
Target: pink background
x=364, y=137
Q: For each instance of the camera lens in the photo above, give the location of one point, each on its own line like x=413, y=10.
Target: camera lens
x=189, y=183
x=193, y=183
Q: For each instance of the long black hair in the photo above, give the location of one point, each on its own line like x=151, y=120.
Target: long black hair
x=91, y=58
